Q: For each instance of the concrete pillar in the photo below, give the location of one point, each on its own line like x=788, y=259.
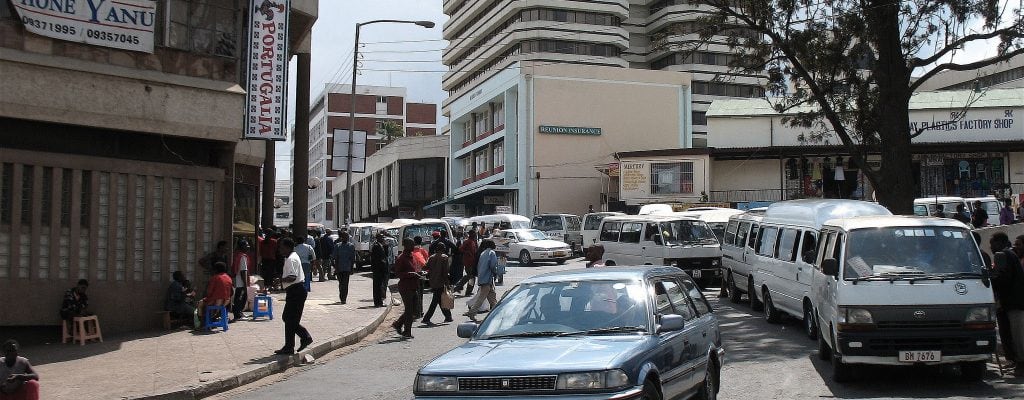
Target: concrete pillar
x=300, y=166
x=269, y=185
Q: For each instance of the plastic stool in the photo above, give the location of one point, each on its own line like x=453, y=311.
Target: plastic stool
x=208, y=324
x=263, y=306
x=82, y=330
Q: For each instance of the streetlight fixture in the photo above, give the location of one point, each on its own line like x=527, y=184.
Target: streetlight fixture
x=346, y=215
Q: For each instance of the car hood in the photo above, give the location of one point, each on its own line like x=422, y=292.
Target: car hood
x=531, y=356
x=544, y=244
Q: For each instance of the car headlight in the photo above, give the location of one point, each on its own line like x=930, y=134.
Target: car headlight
x=979, y=314
x=431, y=383
x=714, y=262
x=592, y=380
x=855, y=316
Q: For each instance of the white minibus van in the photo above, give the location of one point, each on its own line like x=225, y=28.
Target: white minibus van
x=787, y=242
x=503, y=221
x=716, y=217
x=738, y=254
x=591, y=227
x=685, y=242
x=901, y=290
x=424, y=229
x=560, y=227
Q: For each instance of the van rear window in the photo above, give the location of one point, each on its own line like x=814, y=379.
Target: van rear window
x=610, y=231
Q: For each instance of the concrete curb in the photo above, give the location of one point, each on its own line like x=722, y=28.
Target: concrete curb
x=245, y=377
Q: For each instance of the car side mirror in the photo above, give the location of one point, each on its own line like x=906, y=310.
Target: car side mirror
x=830, y=267
x=671, y=322
x=465, y=330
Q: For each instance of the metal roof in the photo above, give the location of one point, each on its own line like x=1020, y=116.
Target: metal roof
x=909, y=221
x=942, y=99
x=814, y=212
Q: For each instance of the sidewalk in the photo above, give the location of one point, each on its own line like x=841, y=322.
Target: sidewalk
x=179, y=364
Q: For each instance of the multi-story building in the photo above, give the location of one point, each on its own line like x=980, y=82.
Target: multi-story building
x=375, y=106
x=1007, y=74
x=121, y=166
x=282, y=203
x=487, y=39
x=488, y=36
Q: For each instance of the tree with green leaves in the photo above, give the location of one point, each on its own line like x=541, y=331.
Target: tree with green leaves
x=391, y=130
x=849, y=67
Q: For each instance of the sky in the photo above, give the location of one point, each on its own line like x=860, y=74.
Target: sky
x=410, y=48
x=409, y=56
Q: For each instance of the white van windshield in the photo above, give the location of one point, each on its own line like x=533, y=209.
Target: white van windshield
x=911, y=253
x=424, y=231
x=687, y=232
x=548, y=223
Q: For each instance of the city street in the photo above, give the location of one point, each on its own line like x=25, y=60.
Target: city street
x=763, y=361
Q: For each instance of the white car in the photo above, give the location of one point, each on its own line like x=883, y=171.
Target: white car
x=529, y=245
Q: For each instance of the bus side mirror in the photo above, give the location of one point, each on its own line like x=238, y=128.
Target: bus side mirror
x=830, y=267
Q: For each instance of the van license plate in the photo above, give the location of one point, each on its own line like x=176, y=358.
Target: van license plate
x=695, y=273
x=920, y=356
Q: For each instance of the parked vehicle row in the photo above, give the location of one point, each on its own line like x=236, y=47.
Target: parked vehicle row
x=685, y=242
x=870, y=287
x=928, y=206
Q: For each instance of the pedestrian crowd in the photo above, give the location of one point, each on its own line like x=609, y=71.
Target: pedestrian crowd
x=1007, y=274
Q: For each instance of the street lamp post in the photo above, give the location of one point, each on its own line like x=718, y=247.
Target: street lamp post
x=347, y=212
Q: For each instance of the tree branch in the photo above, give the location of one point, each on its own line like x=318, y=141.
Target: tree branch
x=956, y=44
x=963, y=67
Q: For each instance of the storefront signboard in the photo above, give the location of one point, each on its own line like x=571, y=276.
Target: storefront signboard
x=613, y=169
x=266, y=104
x=455, y=210
x=502, y=209
x=634, y=180
x=952, y=125
x=122, y=24
x=494, y=200
x=570, y=130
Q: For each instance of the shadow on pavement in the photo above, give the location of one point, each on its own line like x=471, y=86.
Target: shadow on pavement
x=924, y=382
x=762, y=342
x=41, y=345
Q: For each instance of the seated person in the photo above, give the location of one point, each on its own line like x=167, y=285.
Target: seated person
x=180, y=297
x=551, y=310
x=76, y=303
x=17, y=379
x=218, y=291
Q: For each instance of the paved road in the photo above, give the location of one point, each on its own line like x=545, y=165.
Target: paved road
x=764, y=361
x=386, y=368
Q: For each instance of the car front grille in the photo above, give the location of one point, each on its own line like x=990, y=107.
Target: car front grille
x=901, y=325
x=503, y=383
x=945, y=344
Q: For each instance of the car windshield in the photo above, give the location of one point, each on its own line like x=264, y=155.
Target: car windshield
x=910, y=252
x=592, y=222
x=547, y=222
x=562, y=308
x=532, y=234
x=424, y=230
x=718, y=228
x=687, y=232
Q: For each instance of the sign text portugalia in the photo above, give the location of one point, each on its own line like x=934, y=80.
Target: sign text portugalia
x=570, y=130
x=266, y=101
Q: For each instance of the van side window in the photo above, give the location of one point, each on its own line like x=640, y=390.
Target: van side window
x=766, y=244
x=573, y=223
x=838, y=246
x=631, y=232
x=741, y=234
x=730, y=232
x=824, y=247
x=787, y=245
x=652, y=232
x=610, y=231
x=753, y=236
x=809, y=248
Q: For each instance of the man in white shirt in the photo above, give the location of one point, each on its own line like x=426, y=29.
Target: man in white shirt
x=295, y=300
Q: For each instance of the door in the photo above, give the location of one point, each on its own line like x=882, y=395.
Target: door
x=675, y=353
x=652, y=245
x=788, y=287
x=609, y=239
x=629, y=244
x=704, y=330
x=747, y=255
x=804, y=259
x=825, y=287
x=762, y=263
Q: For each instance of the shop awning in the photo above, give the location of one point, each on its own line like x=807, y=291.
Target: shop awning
x=471, y=192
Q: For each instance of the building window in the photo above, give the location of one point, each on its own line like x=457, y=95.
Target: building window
x=481, y=122
x=499, y=115
x=467, y=129
x=382, y=105
x=498, y=154
x=672, y=178
x=203, y=26
x=726, y=89
x=467, y=167
x=699, y=118
x=481, y=161
x=569, y=47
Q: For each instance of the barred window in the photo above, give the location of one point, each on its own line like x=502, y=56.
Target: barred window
x=202, y=26
x=672, y=178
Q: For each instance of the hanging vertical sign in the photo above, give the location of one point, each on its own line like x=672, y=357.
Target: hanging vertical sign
x=266, y=103
x=122, y=24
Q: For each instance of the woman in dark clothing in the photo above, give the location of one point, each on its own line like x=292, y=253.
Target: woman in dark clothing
x=408, y=273
x=437, y=274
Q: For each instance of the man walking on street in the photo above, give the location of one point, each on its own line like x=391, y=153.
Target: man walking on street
x=487, y=268
x=379, y=269
x=1008, y=285
x=437, y=275
x=344, y=256
x=240, y=274
x=469, y=258
x=307, y=254
x=979, y=217
x=408, y=272
x=327, y=247
x=295, y=300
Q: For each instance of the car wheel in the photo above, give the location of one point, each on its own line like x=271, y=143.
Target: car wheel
x=734, y=292
x=771, y=314
x=524, y=258
x=824, y=352
x=810, y=324
x=840, y=372
x=709, y=388
x=560, y=261
x=650, y=391
x=752, y=294
x=973, y=371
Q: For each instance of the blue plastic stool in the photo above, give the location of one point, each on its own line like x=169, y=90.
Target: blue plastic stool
x=208, y=324
x=262, y=306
